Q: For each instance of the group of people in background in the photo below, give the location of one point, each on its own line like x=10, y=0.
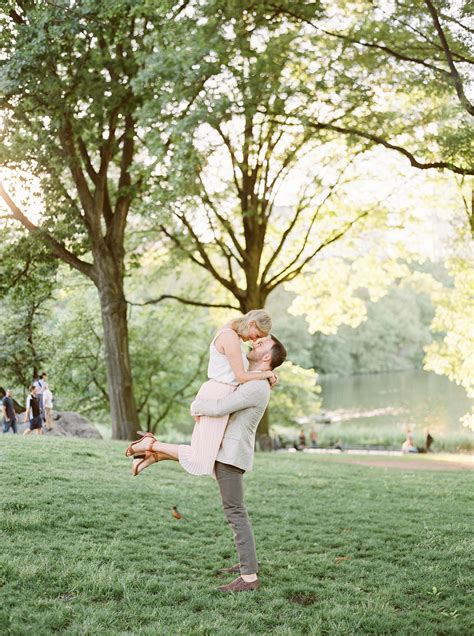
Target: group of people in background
x=408, y=445
x=313, y=438
x=38, y=411
x=301, y=443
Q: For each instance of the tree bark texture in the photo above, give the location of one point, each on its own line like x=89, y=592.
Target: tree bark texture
x=123, y=409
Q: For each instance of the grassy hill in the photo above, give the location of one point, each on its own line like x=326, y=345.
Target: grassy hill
x=344, y=549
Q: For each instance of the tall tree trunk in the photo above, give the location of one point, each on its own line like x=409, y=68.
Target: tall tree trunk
x=123, y=409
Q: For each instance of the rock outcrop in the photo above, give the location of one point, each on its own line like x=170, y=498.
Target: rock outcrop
x=68, y=424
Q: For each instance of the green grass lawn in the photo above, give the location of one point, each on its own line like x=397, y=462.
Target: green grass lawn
x=344, y=549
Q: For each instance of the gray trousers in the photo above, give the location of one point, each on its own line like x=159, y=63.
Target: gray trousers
x=230, y=483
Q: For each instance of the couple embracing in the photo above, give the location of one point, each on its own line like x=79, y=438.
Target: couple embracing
x=227, y=410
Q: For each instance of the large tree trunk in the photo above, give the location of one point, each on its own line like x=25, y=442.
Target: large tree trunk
x=123, y=409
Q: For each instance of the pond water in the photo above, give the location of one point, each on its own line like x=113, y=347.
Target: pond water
x=395, y=402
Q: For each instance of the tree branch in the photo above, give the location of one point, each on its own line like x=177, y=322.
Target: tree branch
x=383, y=142
x=180, y=246
x=179, y=9
x=287, y=162
x=224, y=222
x=226, y=251
x=397, y=54
x=16, y=17
x=453, y=75
x=207, y=264
x=456, y=78
x=285, y=235
x=184, y=301
x=234, y=160
x=57, y=248
x=295, y=272
x=272, y=143
x=85, y=195
x=460, y=24
x=116, y=229
x=276, y=251
x=87, y=160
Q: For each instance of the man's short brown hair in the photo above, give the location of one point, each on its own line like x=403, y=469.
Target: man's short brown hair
x=277, y=352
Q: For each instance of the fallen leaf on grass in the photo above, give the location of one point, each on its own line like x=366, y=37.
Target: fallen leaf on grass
x=340, y=559
x=304, y=599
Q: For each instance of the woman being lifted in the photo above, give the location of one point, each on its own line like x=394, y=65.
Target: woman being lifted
x=228, y=367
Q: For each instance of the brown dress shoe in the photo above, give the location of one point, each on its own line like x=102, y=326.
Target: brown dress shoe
x=235, y=569
x=239, y=585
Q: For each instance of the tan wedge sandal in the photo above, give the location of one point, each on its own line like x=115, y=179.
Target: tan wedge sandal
x=130, y=452
x=136, y=468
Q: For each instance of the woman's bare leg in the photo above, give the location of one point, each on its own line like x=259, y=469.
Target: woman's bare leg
x=142, y=445
x=169, y=450
x=161, y=452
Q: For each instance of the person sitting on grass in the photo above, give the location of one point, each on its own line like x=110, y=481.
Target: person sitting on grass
x=408, y=445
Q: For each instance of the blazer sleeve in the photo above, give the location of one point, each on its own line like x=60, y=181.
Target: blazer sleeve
x=247, y=395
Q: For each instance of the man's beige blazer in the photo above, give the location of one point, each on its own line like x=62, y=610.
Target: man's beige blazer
x=247, y=405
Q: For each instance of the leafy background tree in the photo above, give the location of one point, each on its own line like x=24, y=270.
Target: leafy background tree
x=391, y=338
x=410, y=63
x=297, y=398
x=452, y=353
x=70, y=114
x=27, y=280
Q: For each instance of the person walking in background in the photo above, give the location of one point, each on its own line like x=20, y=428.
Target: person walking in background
x=302, y=439
x=48, y=408
x=313, y=436
x=41, y=383
x=33, y=413
x=9, y=415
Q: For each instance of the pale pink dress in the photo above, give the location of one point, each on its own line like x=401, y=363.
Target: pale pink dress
x=199, y=457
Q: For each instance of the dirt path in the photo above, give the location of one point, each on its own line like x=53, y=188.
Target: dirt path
x=405, y=463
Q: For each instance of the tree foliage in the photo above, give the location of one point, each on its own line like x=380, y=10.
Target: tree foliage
x=27, y=279
x=246, y=136
x=70, y=113
x=329, y=295
x=409, y=58
x=391, y=338
x=297, y=396
x=453, y=355
x=285, y=83
x=169, y=351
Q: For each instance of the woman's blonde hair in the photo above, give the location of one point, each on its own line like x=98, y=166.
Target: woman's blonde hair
x=260, y=317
